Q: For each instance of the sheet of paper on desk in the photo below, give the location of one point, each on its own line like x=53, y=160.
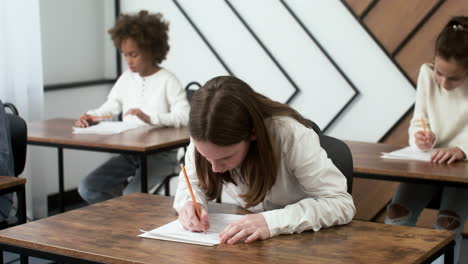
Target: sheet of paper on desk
x=173, y=231
x=408, y=153
x=106, y=128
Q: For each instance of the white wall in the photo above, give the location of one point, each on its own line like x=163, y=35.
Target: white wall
x=76, y=47
x=75, y=43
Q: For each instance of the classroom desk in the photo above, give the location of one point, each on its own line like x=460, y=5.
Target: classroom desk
x=368, y=164
x=107, y=233
x=15, y=184
x=141, y=142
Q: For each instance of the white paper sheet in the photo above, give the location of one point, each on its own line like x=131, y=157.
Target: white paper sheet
x=173, y=231
x=408, y=153
x=106, y=128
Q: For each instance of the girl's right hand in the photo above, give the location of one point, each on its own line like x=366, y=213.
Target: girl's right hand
x=85, y=120
x=189, y=219
x=424, y=141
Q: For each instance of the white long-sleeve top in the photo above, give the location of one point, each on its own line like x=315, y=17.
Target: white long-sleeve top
x=309, y=191
x=445, y=112
x=160, y=96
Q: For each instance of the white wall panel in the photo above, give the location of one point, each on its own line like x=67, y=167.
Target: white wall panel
x=385, y=93
x=323, y=91
x=238, y=48
x=74, y=40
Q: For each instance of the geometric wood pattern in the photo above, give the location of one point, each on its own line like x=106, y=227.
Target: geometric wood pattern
x=392, y=23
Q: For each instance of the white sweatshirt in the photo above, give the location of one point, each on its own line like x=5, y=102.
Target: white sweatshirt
x=445, y=112
x=309, y=192
x=160, y=96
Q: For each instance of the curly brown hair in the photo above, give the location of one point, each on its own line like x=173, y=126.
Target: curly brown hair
x=149, y=31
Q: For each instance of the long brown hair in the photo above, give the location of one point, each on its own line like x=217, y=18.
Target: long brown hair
x=226, y=111
x=452, y=42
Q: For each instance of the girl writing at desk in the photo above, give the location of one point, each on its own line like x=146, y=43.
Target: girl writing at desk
x=440, y=124
x=267, y=157
x=147, y=94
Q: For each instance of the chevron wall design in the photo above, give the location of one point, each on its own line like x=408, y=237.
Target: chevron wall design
x=350, y=65
x=313, y=55
x=406, y=30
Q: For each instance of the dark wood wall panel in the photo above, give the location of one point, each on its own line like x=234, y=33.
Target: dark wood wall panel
x=370, y=196
x=420, y=48
x=392, y=20
x=399, y=134
x=358, y=6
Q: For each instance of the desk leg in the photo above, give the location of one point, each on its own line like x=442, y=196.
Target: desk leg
x=22, y=205
x=61, y=181
x=24, y=259
x=143, y=173
x=450, y=253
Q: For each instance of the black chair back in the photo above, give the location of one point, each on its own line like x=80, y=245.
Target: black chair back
x=18, y=136
x=340, y=154
x=191, y=92
x=315, y=127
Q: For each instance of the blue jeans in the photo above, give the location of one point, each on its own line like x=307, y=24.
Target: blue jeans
x=415, y=197
x=121, y=175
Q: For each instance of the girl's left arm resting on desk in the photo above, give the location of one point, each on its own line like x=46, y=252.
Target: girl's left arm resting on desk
x=447, y=155
x=328, y=203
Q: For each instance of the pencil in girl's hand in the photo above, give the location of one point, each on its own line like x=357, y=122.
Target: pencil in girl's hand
x=424, y=128
x=197, y=209
x=100, y=117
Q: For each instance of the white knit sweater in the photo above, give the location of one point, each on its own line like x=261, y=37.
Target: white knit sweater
x=309, y=192
x=445, y=112
x=160, y=96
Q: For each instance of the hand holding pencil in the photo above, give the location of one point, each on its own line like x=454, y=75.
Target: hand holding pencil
x=192, y=215
x=425, y=138
x=86, y=120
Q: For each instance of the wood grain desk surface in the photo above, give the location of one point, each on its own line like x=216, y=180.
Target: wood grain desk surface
x=8, y=182
x=107, y=232
x=367, y=160
x=59, y=132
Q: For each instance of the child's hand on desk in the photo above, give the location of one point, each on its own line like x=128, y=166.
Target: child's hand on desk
x=189, y=220
x=85, y=120
x=448, y=155
x=424, y=141
x=252, y=227
x=140, y=114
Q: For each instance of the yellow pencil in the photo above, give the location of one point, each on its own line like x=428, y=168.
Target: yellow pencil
x=424, y=128
x=197, y=209
x=101, y=117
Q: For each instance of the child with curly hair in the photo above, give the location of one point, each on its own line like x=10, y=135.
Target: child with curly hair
x=146, y=93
